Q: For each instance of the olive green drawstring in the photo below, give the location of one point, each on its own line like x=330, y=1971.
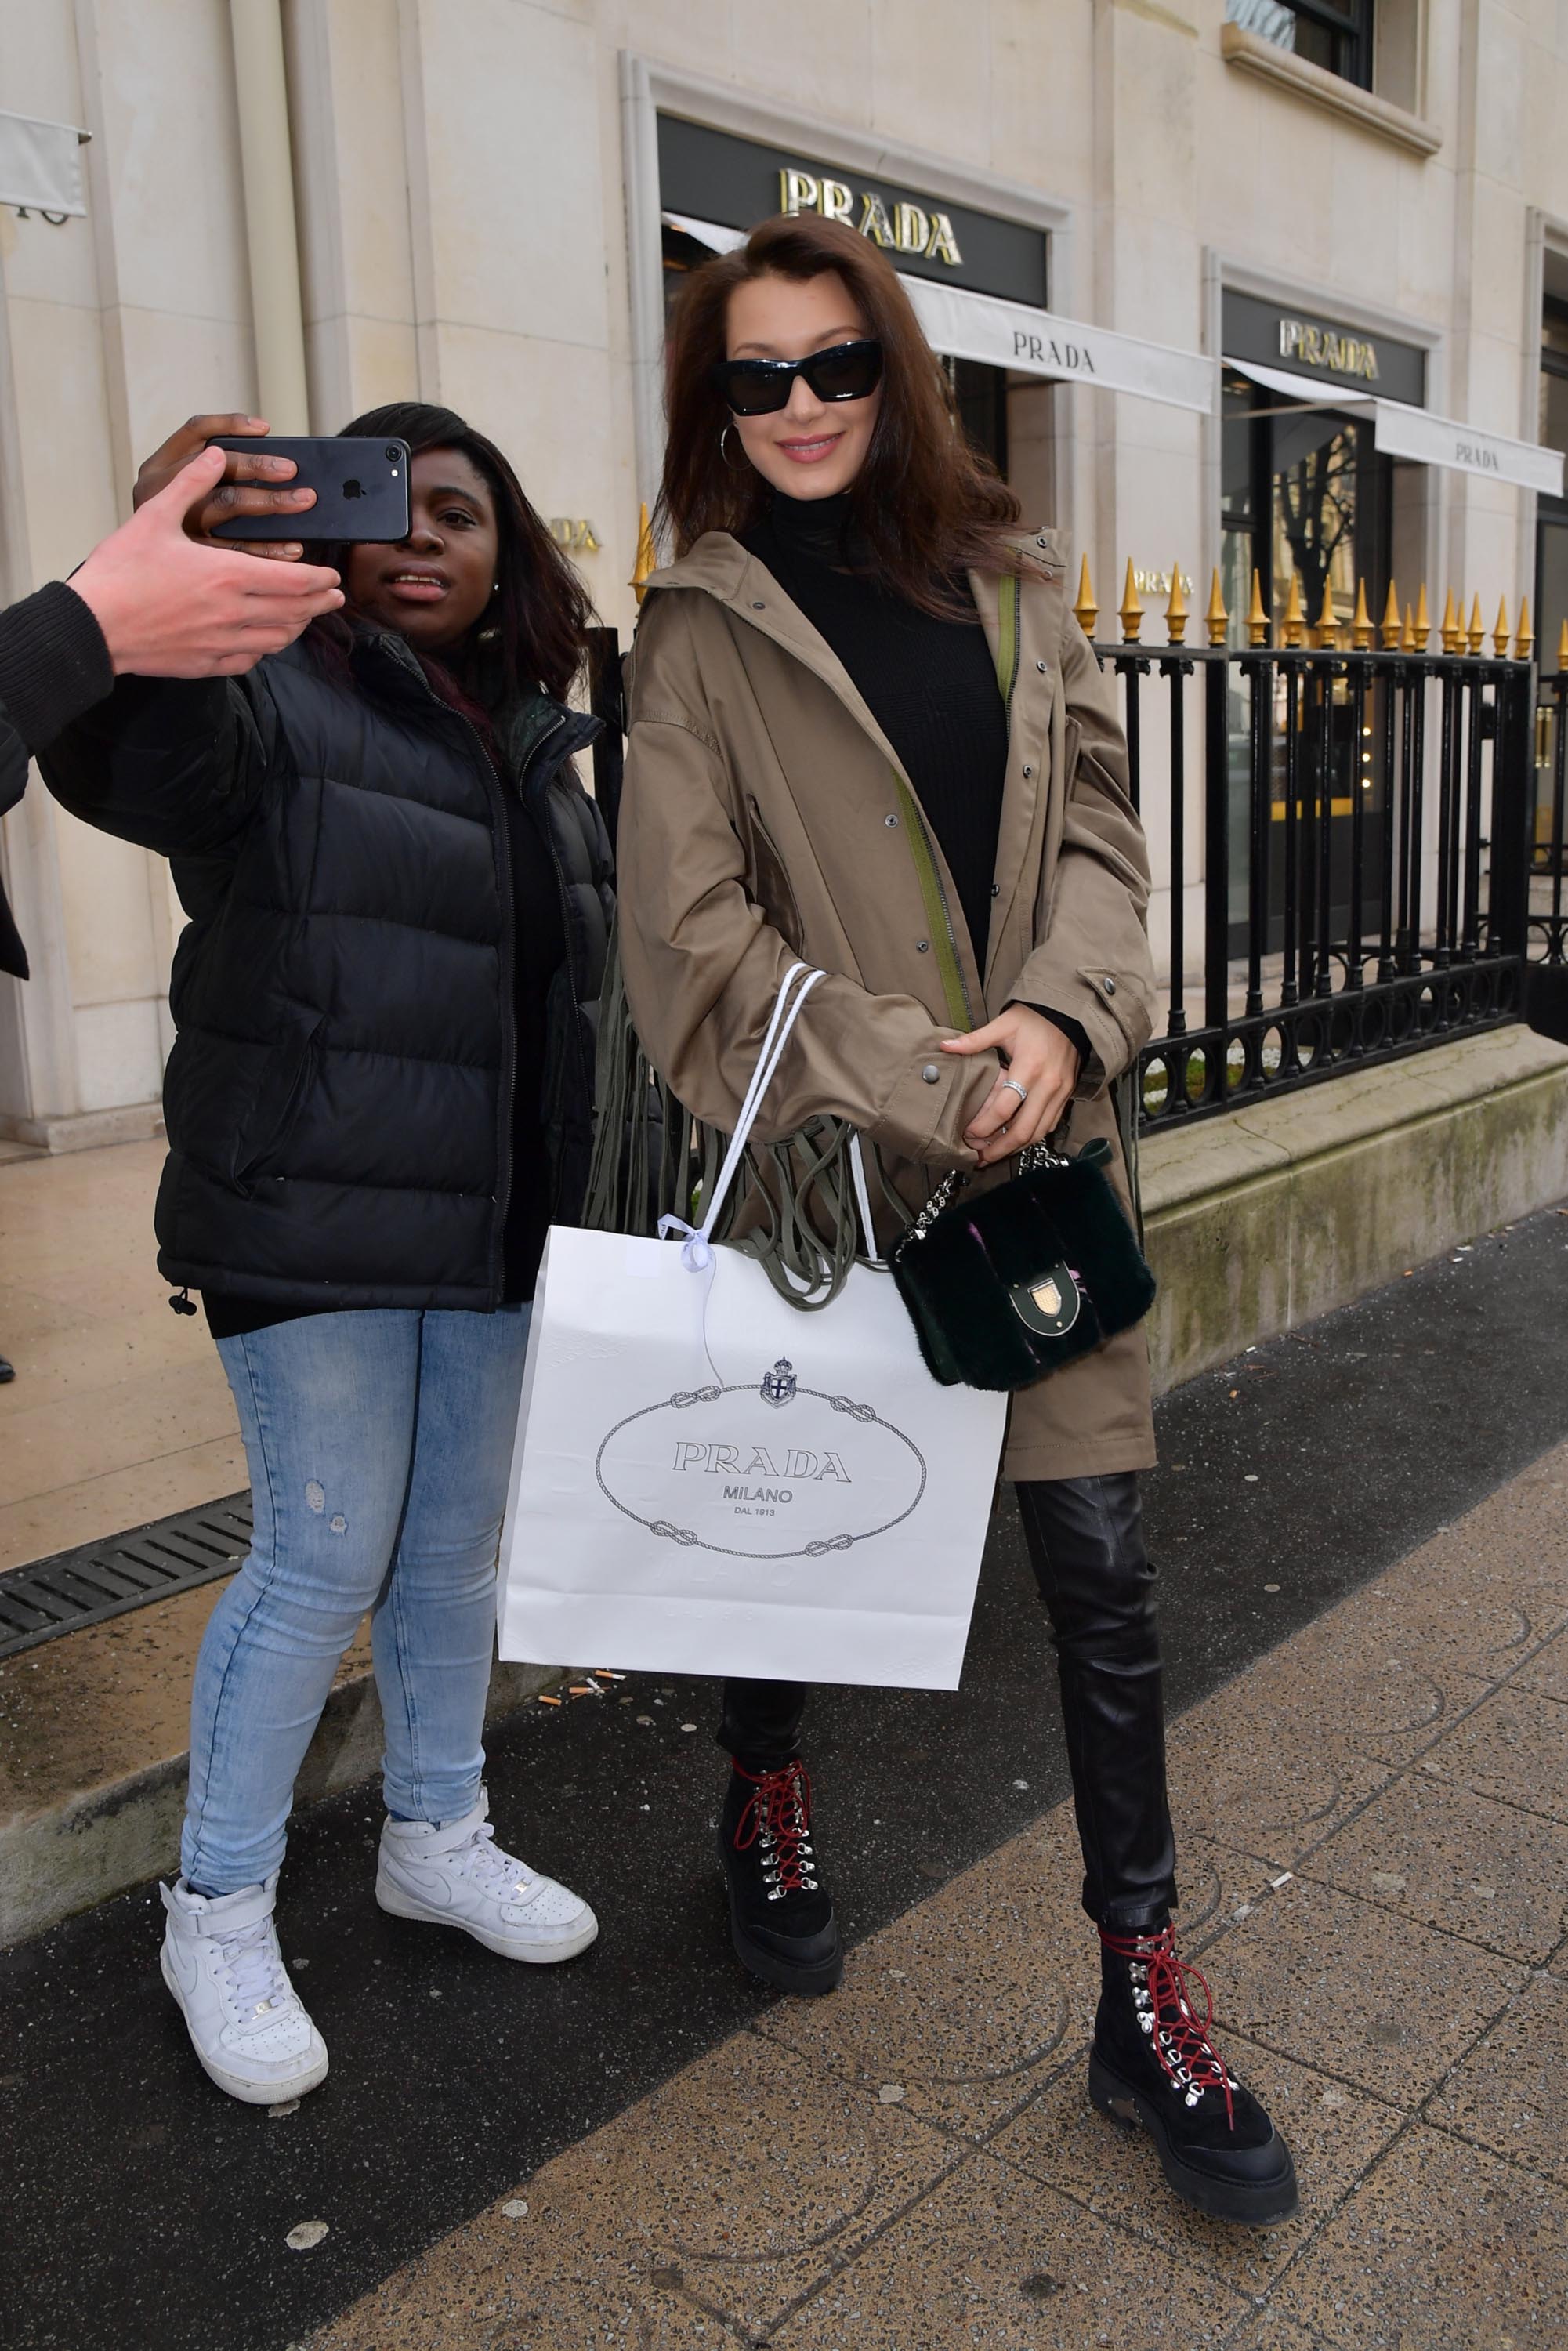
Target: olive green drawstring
x=652, y=1158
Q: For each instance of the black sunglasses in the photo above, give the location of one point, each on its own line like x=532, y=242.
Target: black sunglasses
x=758, y=387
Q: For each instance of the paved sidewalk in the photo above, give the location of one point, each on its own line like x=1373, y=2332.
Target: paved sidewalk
x=120, y=1411
x=1375, y=1824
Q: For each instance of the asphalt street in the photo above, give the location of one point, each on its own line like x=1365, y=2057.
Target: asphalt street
x=143, y=2208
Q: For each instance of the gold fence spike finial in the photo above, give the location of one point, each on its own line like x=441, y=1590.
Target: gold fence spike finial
x=1390, y=630
x=1175, y=611
x=1217, y=619
x=1562, y=647
x=1132, y=613
x=1328, y=621
x=1477, y=631
x=1086, y=612
x=1257, y=617
x=1294, y=629
x=1361, y=625
x=1524, y=642
x=647, y=562
x=1423, y=625
x=1451, y=630
x=1499, y=635
x=1407, y=641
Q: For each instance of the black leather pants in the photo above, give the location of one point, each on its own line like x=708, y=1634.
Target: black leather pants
x=1086, y=1546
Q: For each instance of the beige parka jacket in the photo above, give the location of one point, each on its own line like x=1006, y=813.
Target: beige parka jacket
x=765, y=819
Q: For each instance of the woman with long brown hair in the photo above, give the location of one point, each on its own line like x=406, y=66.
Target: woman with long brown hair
x=379, y=1095
x=851, y=744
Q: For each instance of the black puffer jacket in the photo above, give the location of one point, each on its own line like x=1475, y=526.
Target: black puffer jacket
x=339, y=1098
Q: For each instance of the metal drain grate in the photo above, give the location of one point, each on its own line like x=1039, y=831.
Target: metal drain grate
x=104, y=1579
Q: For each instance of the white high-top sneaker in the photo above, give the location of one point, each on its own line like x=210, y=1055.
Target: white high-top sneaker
x=455, y=1876
x=247, y=2024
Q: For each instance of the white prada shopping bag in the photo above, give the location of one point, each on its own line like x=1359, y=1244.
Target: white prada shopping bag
x=711, y=1480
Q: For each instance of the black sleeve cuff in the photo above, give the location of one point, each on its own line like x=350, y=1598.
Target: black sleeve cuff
x=54, y=664
x=1073, y=1031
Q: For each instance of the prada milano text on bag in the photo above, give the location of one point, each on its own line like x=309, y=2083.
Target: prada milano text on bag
x=709, y=1480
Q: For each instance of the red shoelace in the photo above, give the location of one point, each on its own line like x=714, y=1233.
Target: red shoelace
x=781, y=1804
x=1180, y=2034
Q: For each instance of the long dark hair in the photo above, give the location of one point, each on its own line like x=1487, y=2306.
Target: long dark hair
x=927, y=505
x=541, y=617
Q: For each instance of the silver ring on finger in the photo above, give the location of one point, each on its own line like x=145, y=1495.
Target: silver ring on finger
x=1021, y=1091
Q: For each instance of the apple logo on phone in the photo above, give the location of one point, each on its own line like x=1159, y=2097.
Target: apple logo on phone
x=353, y=489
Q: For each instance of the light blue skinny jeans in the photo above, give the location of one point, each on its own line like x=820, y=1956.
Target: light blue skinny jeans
x=379, y=1445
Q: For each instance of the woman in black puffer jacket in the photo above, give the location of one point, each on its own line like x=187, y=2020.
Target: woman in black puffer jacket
x=379, y=1096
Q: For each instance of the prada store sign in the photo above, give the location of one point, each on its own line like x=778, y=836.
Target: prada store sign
x=1276, y=335
x=711, y=175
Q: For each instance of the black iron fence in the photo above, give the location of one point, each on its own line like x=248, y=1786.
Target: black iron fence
x=1357, y=825
x=1546, y=919
x=1361, y=844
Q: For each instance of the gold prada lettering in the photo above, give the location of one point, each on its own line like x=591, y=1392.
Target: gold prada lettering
x=911, y=228
x=905, y=227
x=1323, y=347
x=943, y=244
x=575, y=533
x=798, y=192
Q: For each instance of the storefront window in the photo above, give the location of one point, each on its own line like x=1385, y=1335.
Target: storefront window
x=1337, y=39
x=1306, y=498
x=1551, y=514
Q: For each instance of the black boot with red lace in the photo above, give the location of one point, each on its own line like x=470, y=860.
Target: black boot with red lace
x=1153, y=2063
x=780, y=1913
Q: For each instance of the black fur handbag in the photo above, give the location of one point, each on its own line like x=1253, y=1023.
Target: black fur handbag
x=1010, y=1285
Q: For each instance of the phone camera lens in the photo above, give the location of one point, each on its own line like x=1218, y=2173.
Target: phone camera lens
x=392, y=455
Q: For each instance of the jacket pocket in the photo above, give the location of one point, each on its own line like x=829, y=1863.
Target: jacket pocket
x=772, y=888
x=290, y=1069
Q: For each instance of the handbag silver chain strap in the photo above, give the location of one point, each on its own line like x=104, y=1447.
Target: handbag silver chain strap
x=1033, y=1156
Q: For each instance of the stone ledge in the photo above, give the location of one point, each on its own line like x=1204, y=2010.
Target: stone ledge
x=88, y=1820
x=1271, y=1215
x=88, y=1130
x=1314, y=83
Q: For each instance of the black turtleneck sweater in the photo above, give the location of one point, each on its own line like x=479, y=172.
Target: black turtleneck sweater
x=930, y=684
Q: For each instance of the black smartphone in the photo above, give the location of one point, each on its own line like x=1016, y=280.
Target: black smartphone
x=361, y=488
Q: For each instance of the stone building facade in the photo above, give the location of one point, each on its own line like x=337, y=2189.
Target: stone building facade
x=1187, y=258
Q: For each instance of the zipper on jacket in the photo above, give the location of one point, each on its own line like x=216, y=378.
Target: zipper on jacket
x=503, y=1197
x=949, y=962
x=585, y=1073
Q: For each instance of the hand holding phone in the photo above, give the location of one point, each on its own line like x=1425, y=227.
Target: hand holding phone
x=360, y=485
x=274, y=495
x=255, y=481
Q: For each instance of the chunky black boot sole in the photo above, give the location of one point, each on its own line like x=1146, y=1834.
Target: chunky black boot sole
x=1255, y=2203
x=810, y=1977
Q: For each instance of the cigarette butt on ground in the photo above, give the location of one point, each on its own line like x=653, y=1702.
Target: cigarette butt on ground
x=545, y=1701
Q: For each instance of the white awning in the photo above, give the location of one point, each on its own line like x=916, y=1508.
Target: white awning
x=709, y=232
x=969, y=326
x=1400, y=429
x=40, y=168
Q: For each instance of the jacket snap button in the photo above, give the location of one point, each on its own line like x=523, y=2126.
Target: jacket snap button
x=1110, y=987
x=931, y=1073
x=1029, y=771
x=890, y=820
x=1040, y=666
x=923, y=946
x=759, y=605
x=996, y=889
x=1039, y=542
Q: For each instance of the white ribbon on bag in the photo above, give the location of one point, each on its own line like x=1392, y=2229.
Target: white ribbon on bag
x=697, y=1252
